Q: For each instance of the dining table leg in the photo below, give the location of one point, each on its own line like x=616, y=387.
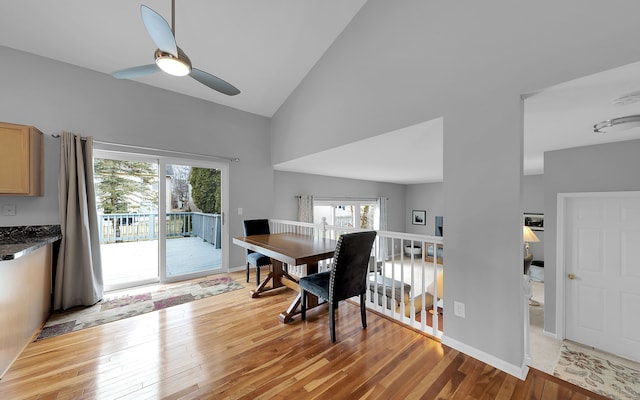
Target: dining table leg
x=294, y=307
x=274, y=275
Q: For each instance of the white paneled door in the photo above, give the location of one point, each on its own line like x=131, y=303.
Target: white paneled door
x=602, y=272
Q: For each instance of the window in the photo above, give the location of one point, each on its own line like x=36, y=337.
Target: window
x=349, y=213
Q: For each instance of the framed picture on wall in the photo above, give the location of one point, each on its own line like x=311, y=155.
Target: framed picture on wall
x=419, y=217
x=534, y=221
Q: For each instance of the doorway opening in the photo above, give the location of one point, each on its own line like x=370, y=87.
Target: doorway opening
x=597, y=274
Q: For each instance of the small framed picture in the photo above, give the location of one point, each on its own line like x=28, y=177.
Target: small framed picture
x=419, y=217
x=534, y=221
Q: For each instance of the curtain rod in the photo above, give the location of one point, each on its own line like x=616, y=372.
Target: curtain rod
x=184, y=153
x=342, y=198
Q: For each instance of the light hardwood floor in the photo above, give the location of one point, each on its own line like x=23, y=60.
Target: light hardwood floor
x=231, y=346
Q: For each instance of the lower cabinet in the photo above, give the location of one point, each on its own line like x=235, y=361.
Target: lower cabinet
x=25, y=301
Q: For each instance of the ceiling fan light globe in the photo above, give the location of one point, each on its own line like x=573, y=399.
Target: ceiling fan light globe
x=173, y=66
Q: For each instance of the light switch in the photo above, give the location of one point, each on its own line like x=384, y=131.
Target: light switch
x=9, y=210
x=240, y=210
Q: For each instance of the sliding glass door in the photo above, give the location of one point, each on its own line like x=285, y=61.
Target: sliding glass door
x=127, y=200
x=193, y=222
x=160, y=219
x=351, y=213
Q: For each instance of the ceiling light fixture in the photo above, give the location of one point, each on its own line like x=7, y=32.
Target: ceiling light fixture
x=172, y=65
x=169, y=58
x=627, y=99
x=617, y=124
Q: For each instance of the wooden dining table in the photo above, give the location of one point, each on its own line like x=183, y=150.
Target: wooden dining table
x=287, y=250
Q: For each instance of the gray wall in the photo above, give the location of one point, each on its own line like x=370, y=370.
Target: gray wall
x=428, y=197
x=602, y=168
x=403, y=62
x=59, y=97
x=289, y=184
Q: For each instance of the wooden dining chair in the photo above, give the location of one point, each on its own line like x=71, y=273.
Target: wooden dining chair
x=256, y=227
x=347, y=277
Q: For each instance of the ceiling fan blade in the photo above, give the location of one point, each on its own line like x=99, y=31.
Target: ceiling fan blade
x=159, y=30
x=214, y=82
x=135, y=72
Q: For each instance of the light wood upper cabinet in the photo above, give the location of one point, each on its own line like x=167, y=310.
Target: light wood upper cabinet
x=21, y=160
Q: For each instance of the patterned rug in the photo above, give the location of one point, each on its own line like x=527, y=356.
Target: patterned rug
x=129, y=306
x=585, y=368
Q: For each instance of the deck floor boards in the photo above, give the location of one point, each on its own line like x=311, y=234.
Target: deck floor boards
x=138, y=261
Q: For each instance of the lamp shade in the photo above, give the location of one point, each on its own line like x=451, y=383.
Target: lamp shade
x=528, y=235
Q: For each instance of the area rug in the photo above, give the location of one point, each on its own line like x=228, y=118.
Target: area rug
x=131, y=305
x=586, y=368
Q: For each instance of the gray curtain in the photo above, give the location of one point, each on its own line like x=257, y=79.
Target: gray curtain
x=384, y=248
x=78, y=277
x=305, y=208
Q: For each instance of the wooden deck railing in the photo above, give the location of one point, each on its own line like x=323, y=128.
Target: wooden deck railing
x=406, y=274
x=133, y=227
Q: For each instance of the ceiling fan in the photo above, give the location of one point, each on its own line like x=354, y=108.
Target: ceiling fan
x=169, y=57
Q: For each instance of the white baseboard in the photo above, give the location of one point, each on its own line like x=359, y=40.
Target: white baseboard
x=552, y=335
x=519, y=372
x=236, y=269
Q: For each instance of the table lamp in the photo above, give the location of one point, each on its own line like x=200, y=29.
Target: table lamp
x=528, y=237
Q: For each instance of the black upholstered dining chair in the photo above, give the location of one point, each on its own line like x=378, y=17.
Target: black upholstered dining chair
x=256, y=227
x=347, y=277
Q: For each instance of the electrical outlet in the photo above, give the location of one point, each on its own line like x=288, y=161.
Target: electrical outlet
x=9, y=210
x=458, y=309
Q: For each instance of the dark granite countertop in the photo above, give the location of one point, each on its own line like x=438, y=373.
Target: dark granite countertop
x=16, y=241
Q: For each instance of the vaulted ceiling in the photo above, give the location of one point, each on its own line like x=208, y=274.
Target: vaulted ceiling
x=266, y=48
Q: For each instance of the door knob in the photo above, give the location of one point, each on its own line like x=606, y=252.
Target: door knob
x=571, y=276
